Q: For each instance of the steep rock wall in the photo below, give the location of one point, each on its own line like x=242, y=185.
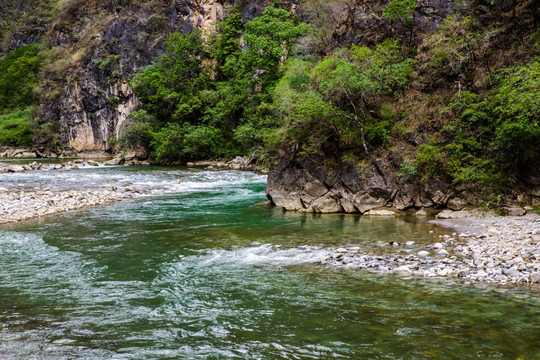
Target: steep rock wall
x=93, y=108
x=115, y=43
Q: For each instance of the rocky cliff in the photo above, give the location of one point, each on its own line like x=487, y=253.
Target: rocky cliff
x=321, y=183
x=95, y=49
x=324, y=180
x=92, y=107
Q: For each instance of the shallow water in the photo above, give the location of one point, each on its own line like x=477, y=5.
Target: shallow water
x=199, y=271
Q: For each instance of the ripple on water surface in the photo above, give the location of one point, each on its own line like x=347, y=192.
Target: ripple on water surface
x=202, y=273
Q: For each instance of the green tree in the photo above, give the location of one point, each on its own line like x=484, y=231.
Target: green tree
x=226, y=48
x=194, y=111
x=270, y=40
x=137, y=130
x=170, y=87
x=19, y=73
x=400, y=10
x=349, y=80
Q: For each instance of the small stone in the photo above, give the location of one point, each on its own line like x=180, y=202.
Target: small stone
x=421, y=212
x=512, y=272
x=444, y=272
x=423, y=253
x=380, y=213
x=403, y=268
x=438, y=246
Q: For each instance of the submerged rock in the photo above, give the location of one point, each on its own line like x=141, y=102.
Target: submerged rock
x=380, y=213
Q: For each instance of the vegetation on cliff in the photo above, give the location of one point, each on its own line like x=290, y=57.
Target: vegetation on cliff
x=19, y=71
x=206, y=98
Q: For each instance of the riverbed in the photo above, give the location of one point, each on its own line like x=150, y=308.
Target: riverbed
x=194, y=267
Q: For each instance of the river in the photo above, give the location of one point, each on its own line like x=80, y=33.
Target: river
x=200, y=269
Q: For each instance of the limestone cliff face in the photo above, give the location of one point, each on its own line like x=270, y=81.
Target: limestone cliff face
x=113, y=44
x=90, y=120
x=93, y=108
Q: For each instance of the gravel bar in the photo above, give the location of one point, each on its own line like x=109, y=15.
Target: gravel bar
x=491, y=249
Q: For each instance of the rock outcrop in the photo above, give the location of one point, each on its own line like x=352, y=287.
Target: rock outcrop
x=321, y=184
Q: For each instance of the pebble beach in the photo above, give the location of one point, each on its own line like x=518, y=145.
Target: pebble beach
x=483, y=249
x=21, y=202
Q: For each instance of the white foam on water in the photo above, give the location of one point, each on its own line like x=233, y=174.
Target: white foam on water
x=265, y=254
x=153, y=181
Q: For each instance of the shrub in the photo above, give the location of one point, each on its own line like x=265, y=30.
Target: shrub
x=495, y=139
x=400, y=10
x=428, y=160
x=16, y=128
x=407, y=170
x=167, y=143
x=202, y=141
x=137, y=130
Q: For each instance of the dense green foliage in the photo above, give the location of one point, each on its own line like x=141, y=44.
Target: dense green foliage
x=494, y=139
x=337, y=95
x=16, y=128
x=400, y=10
x=206, y=98
x=170, y=87
x=19, y=71
x=18, y=77
x=262, y=95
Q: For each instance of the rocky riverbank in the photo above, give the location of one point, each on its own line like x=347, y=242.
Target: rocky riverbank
x=34, y=166
x=32, y=203
x=322, y=184
x=238, y=163
x=24, y=203
x=489, y=249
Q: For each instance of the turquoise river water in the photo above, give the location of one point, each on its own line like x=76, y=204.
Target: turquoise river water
x=200, y=270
